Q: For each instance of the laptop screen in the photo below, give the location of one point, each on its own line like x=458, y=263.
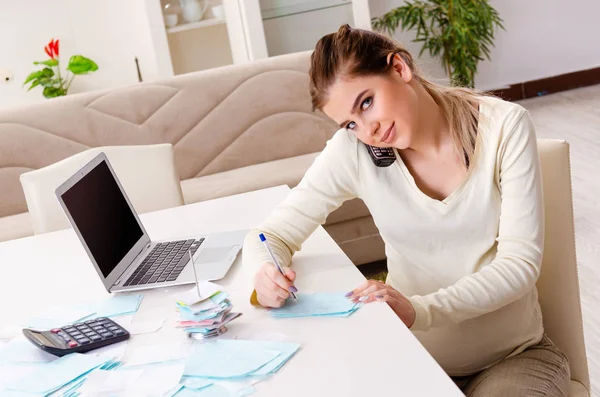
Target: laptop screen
x=103, y=217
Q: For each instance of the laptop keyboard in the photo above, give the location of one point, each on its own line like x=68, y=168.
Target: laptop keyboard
x=165, y=262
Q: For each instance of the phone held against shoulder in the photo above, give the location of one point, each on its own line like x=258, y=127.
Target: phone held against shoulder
x=382, y=157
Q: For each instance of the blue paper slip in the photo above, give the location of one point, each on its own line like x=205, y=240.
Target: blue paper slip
x=115, y=306
x=188, y=316
x=209, y=391
x=219, y=297
x=56, y=374
x=218, y=301
x=318, y=304
x=286, y=351
x=57, y=316
x=13, y=372
x=196, y=383
x=227, y=360
x=20, y=350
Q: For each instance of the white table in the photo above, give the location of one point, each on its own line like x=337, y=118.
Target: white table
x=367, y=354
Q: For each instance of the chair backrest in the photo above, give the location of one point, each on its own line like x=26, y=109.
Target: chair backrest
x=147, y=174
x=558, y=285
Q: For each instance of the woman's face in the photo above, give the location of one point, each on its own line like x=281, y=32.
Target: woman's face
x=381, y=110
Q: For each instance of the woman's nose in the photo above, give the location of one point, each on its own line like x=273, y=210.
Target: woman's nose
x=372, y=128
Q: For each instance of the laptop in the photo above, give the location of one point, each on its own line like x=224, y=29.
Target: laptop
x=119, y=247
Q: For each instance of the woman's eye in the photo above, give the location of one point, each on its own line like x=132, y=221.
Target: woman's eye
x=351, y=125
x=366, y=103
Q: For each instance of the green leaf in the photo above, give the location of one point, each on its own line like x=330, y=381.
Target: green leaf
x=49, y=82
x=47, y=72
x=33, y=85
x=81, y=65
x=33, y=76
x=49, y=62
x=53, y=92
x=39, y=74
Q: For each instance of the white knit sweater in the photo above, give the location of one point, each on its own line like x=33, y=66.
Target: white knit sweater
x=468, y=263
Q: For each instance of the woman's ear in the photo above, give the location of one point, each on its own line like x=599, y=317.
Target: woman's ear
x=400, y=67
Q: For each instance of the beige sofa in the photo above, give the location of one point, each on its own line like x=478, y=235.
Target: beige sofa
x=234, y=129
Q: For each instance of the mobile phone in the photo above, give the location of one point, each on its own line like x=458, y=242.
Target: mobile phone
x=381, y=156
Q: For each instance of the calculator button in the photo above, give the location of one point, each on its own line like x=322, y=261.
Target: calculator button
x=56, y=331
x=73, y=344
x=84, y=341
x=75, y=334
x=113, y=328
x=119, y=332
x=95, y=338
x=106, y=334
x=70, y=329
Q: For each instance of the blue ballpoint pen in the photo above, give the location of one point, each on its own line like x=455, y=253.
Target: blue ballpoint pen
x=268, y=247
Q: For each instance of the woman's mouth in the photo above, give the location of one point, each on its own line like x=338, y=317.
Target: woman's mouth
x=389, y=135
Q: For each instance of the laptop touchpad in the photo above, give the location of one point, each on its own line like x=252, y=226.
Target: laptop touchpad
x=213, y=254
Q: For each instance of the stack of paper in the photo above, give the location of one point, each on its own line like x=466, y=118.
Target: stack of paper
x=235, y=359
x=318, y=304
x=205, y=310
x=65, y=372
x=59, y=316
x=116, y=306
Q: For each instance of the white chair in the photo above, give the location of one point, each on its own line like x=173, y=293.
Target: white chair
x=147, y=174
x=558, y=284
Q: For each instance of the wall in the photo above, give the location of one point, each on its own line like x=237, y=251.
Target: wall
x=543, y=38
x=111, y=32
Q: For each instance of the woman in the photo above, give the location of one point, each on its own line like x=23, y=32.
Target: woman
x=460, y=211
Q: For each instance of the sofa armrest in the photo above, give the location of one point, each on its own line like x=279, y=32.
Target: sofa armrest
x=15, y=226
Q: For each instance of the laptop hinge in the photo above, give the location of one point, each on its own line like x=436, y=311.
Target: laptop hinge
x=125, y=274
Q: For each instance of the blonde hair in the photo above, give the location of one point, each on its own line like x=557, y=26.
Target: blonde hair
x=356, y=52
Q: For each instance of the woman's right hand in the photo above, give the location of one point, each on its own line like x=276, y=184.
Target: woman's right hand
x=272, y=288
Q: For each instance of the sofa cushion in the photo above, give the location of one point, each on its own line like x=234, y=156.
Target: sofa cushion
x=288, y=171
x=15, y=226
x=351, y=209
x=359, y=239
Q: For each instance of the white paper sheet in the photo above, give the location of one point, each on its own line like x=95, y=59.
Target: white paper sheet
x=145, y=327
x=156, y=354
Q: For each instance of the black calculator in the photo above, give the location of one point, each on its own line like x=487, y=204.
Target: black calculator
x=79, y=337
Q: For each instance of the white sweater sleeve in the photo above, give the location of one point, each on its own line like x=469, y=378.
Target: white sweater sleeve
x=331, y=180
x=516, y=267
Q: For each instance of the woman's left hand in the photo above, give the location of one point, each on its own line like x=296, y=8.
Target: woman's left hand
x=373, y=290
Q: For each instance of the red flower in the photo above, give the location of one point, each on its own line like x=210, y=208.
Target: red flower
x=56, y=47
x=52, y=48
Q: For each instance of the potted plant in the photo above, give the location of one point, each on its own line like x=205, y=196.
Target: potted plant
x=50, y=76
x=461, y=32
